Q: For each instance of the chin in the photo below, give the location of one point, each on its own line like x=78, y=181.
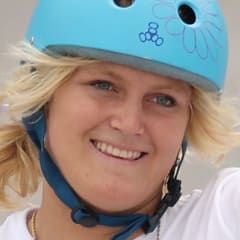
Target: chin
x=118, y=201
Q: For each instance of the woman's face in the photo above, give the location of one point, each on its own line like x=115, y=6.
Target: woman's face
x=115, y=132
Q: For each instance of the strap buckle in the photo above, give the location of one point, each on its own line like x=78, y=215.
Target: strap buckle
x=84, y=216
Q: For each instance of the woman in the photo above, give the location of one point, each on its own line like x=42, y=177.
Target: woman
x=108, y=106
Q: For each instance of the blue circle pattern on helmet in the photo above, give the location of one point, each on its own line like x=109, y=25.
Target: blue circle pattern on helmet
x=152, y=35
x=192, y=36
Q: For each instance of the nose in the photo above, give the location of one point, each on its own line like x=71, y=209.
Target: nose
x=128, y=118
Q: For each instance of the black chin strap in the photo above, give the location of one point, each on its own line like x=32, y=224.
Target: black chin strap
x=173, y=194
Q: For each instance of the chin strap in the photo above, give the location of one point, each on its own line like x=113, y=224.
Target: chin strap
x=81, y=211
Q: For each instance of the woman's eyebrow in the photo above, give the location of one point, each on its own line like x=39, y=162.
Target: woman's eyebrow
x=108, y=72
x=172, y=87
x=112, y=74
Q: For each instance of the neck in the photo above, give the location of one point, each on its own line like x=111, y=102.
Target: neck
x=54, y=222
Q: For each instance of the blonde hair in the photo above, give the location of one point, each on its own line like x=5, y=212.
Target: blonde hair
x=213, y=128
x=210, y=132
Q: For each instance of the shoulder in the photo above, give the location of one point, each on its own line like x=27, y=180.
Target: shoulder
x=15, y=226
x=224, y=188
x=227, y=175
x=213, y=213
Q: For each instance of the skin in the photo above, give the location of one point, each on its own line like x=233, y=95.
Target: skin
x=124, y=107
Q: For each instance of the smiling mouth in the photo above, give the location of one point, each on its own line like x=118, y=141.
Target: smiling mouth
x=117, y=152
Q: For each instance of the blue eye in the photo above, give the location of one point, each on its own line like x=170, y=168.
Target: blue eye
x=103, y=85
x=165, y=101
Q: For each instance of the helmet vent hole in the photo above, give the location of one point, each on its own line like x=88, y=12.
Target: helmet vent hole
x=124, y=3
x=187, y=14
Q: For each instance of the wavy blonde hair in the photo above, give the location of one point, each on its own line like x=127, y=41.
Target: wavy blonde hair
x=211, y=130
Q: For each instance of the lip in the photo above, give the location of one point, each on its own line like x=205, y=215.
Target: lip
x=93, y=143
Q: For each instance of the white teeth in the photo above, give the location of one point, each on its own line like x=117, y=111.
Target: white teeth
x=103, y=147
x=136, y=155
x=123, y=154
x=130, y=154
x=109, y=149
x=116, y=152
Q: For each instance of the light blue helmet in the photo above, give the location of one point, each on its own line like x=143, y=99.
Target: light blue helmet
x=184, y=39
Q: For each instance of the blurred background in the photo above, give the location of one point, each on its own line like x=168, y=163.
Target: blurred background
x=14, y=17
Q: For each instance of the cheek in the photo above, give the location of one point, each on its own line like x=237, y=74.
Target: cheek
x=167, y=140
x=169, y=130
x=76, y=113
x=71, y=118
